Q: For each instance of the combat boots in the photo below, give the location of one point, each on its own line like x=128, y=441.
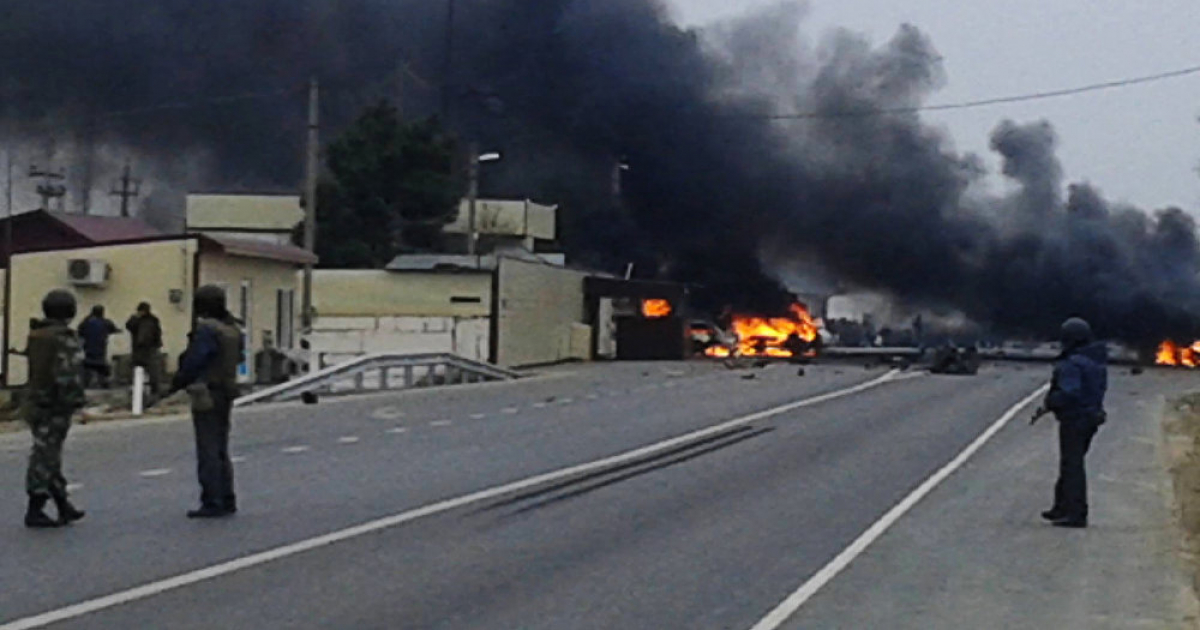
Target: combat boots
x=35, y=516
x=67, y=513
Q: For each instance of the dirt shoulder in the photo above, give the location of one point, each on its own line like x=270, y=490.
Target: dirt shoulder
x=1182, y=424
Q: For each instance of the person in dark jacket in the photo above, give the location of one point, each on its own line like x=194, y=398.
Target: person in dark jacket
x=1076, y=398
x=146, y=333
x=208, y=371
x=95, y=331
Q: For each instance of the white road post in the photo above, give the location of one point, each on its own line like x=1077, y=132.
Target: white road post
x=139, y=388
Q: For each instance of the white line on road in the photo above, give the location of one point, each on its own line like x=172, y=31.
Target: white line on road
x=155, y=472
x=237, y=459
x=789, y=606
x=291, y=450
x=397, y=430
x=539, y=405
x=593, y=396
x=74, y=487
x=349, y=439
x=446, y=423
x=508, y=411
x=225, y=568
x=387, y=413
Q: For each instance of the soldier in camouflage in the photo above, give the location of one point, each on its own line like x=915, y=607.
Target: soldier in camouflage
x=54, y=393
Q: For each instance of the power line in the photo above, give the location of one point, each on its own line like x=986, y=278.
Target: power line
x=216, y=100
x=1035, y=96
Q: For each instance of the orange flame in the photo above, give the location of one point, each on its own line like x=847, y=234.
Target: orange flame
x=770, y=336
x=656, y=309
x=1170, y=353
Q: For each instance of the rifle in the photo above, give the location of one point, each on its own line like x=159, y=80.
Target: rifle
x=1037, y=415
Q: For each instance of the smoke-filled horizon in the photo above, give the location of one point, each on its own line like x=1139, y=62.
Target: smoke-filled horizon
x=716, y=193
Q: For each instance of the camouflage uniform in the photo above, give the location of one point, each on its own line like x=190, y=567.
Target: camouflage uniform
x=53, y=394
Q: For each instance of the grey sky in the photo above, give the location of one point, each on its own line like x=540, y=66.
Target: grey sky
x=1140, y=144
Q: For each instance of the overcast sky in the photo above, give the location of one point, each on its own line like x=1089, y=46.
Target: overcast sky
x=1139, y=144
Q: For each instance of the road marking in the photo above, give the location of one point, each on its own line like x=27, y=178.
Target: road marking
x=566, y=401
x=792, y=604
x=387, y=413
x=446, y=423
x=349, y=439
x=397, y=430
x=291, y=450
x=155, y=472
x=593, y=396
x=237, y=459
x=539, y=405
x=510, y=410
x=478, y=416
x=74, y=487
x=225, y=568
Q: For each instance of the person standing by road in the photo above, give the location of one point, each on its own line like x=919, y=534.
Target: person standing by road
x=208, y=371
x=53, y=394
x=95, y=331
x=147, y=344
x=1076, y=398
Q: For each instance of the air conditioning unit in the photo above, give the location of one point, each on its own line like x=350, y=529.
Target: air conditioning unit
x=88, y=273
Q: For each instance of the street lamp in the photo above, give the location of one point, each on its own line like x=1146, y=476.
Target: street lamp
x=473, y=193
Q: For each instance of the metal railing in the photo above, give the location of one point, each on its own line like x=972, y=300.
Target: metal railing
x=382, y=372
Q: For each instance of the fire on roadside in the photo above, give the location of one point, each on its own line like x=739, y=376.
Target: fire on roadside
x=775, y=337
x=1172, y=354
x=656, y=309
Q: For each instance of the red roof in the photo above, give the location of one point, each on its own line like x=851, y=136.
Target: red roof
x=100, y=229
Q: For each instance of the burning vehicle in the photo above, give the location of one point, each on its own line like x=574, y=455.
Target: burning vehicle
x=795, y=335
x=1172, y=354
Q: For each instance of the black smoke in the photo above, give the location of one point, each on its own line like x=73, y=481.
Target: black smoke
x=567, y=89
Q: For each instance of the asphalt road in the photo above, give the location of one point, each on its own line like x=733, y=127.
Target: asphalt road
x=698, y=499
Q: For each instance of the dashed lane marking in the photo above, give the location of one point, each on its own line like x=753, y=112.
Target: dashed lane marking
x=397, y=430
x=292, y=450
x=508, y=411
x=446, y=423
x=348, y=439
x=155, y=472
x=238, y=459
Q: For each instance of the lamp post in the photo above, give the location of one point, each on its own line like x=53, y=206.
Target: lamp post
x=473, y=193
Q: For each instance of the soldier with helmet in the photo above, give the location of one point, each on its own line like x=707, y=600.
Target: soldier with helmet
x=208, y=371
x=1076, y=398
x=53, y=394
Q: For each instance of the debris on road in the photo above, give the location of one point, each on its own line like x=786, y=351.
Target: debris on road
x=956, y=361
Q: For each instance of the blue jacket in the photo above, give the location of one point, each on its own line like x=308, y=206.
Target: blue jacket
x=1079, y=384
x=95, y=332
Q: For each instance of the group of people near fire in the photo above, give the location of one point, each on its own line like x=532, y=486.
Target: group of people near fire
x=208, y=372
x=63, y=361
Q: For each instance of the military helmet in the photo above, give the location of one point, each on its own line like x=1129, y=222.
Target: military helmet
x=1076, y=332
x=209, y=301
x=59, y=305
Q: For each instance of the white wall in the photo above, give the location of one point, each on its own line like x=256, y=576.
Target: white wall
x=341, y=338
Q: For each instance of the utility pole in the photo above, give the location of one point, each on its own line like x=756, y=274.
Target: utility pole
x=49, y=188
x=312, y=167
x=448, y=64
x=472, y=196
x=126, y=188
x=8, y=275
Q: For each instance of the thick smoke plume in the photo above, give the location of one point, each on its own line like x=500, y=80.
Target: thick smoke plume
x=568, y=88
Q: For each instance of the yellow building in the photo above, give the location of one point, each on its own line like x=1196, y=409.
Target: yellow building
x=259, y=277
x=270, y=218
